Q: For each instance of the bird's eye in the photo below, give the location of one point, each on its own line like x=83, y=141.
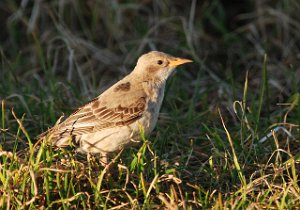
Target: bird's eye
x=159, y=62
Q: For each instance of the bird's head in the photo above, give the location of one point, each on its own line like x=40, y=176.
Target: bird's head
x=158, y=66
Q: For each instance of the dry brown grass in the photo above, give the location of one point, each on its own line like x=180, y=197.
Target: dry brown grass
x=55, y=55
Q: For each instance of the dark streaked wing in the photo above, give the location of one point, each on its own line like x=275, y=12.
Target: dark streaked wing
x=96, y=116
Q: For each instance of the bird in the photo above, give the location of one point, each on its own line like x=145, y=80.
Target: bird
x=113, y=120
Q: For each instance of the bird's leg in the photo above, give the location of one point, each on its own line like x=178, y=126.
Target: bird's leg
x=104, y=159
x=88, y=156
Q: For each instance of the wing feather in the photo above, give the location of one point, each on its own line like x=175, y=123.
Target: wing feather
x=102, y=113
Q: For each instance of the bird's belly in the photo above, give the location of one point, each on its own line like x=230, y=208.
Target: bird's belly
x=108, y=140
x=117, y=138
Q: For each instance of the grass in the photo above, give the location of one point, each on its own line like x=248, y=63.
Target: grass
x=228, y=136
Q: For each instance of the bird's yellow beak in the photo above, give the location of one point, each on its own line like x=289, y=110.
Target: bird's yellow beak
x=178, y=61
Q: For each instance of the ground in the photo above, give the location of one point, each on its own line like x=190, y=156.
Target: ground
x=228, y=134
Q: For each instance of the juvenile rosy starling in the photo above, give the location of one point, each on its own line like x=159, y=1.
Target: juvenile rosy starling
x=114, y=119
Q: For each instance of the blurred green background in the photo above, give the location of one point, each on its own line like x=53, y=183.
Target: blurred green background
x=56, y=55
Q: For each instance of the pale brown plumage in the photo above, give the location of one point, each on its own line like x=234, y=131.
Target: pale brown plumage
x=113, y=120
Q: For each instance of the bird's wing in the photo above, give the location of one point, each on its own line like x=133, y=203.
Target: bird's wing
x=121, y=109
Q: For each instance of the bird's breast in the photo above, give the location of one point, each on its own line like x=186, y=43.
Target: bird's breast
x=152, y=110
